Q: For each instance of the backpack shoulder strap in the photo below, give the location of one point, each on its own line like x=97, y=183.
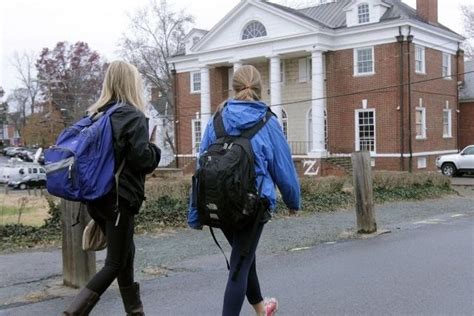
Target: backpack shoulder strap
x=250, y=132
x=97, y=115
x=219, y=125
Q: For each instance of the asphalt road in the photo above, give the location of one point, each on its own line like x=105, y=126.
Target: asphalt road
x=424, y=270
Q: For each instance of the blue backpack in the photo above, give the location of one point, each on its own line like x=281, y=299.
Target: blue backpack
x=80, y=167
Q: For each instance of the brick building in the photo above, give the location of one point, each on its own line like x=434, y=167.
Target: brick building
x=466, y=108
x=337, y=75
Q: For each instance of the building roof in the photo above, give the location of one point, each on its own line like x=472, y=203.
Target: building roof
x=467, y=91
x=332, y=14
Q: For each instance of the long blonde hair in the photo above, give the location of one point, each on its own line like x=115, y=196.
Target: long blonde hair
x=247, y=84
x=122, y=83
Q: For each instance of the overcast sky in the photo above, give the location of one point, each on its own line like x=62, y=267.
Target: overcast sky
x=30, y=25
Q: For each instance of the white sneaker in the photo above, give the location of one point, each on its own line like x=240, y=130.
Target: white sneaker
x=271, y=306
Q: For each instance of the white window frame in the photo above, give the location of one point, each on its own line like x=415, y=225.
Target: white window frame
x=309, y=128
x=191, y=81
x=356, y=62
x=284, y=122
x=230, y=76
x=423, y=123
x=282, y=71
x=420, y=59
x=446, y=59
x=304, y=69
x=449, y=123
x=365, y=14
x=195, y=144
x=422, y=162
x=357, y=129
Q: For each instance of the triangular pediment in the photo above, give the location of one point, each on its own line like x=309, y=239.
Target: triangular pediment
x=277, y=23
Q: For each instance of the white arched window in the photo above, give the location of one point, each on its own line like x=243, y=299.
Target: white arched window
x=363, y=13
x=284, y=122
x=254, y=29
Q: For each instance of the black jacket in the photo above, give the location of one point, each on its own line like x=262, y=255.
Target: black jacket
x=131, y=142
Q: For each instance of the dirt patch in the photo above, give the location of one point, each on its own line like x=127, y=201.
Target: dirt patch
x=21, y=208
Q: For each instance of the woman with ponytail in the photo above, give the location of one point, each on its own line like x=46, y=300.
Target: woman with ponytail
x=273, y=166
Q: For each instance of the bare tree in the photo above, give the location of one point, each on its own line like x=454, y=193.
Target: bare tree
x=156, y=33
x=18, y=101
x=24, y=65
x=468, y=15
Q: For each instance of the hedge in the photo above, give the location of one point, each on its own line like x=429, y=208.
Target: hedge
x=167, y=202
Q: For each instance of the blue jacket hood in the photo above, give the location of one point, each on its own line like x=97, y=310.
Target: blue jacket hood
x=243, y=114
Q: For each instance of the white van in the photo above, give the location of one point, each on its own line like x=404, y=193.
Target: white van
x=6, y=171
x=27, y=175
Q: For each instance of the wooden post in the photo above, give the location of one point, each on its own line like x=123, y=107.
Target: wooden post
x=362, y=173
x=78, y=265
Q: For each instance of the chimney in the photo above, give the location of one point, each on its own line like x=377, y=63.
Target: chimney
x=428, y=10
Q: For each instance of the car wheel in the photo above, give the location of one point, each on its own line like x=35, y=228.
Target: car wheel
x=22, y=186
x=448, y=169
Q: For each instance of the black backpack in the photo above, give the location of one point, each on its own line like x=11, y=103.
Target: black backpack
x=226, y=194
x=225, y=180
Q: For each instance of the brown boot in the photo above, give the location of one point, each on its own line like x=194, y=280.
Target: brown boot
x=131, y=300
x=82, y=303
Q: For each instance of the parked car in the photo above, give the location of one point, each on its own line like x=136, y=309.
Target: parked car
x=27, y=155
x=28, y=176
x=457, y=164
x=4, y=150
x=14, y=151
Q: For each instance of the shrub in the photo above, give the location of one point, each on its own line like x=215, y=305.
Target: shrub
x=167, y=202
x=322, y=185
x=390, y=180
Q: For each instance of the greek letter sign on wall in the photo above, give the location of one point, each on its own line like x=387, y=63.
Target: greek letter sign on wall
x=312, y=167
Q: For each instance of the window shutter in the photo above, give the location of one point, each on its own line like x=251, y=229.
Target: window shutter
x=303, y=72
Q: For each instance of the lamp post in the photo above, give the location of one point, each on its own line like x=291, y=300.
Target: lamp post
x=3, y=115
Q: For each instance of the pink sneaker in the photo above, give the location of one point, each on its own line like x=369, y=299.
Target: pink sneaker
x=271, y=306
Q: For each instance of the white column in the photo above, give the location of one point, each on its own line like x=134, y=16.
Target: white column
x=205, y=97
x=275, y=86
x=237, y=65
x=317, y=104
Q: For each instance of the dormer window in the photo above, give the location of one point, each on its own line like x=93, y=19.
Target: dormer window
x=363, y=13
x=254, y=29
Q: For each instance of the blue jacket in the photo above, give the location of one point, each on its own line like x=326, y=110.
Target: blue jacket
x=273, y=162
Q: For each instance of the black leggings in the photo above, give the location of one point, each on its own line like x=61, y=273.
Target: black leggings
x=246, y=283
x=120, y=248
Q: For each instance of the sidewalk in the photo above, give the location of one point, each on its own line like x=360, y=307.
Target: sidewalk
x=34, y=276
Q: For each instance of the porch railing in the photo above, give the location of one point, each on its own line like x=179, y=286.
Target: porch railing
x=299, y=147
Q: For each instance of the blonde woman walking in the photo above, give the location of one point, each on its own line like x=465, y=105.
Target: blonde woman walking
x=131, y=145
x=273, y=165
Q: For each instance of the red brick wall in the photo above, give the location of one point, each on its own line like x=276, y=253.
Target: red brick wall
x=434, y=94
x=341, y=109
x=189, y=103
x=466, y=124
x=428, y=10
